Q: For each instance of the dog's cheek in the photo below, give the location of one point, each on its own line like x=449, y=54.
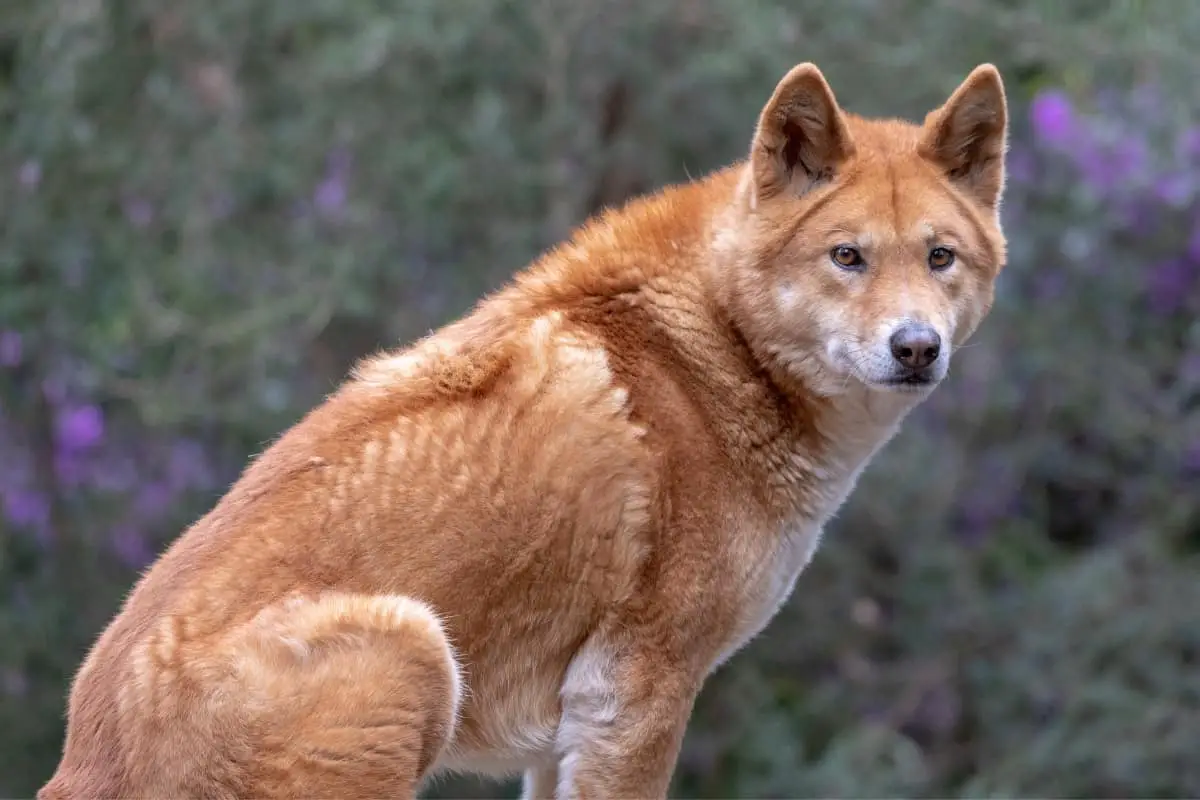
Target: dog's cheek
x=970, y=310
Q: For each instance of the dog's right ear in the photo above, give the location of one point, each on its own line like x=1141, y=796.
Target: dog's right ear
x=801, y=137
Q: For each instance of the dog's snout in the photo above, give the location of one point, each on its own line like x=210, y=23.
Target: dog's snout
x=916, y=345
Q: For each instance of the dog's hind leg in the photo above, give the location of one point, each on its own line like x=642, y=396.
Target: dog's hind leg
x=346, y=696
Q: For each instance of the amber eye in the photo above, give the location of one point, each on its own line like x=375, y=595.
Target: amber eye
x=846, y=257
x=941, y=258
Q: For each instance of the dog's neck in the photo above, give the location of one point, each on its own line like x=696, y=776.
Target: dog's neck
x=812, y=431
x=827, y=430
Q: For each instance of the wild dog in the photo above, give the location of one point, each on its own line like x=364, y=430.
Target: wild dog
x=520, y=545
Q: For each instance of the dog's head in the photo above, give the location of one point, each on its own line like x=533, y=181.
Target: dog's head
x=864, y=251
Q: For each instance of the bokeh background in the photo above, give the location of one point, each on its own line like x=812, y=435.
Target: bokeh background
x=210, y=208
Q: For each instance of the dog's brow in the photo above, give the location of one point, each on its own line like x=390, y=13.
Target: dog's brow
x=860, y=237
x=932, y=234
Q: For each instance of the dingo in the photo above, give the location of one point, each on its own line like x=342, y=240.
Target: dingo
x=520, y=545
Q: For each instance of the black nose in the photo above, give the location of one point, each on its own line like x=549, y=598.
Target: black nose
x=916, y=346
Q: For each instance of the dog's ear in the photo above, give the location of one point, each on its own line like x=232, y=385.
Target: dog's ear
x=968, y=136
x=801, y=138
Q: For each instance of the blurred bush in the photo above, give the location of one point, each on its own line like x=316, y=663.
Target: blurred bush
x=209, y=209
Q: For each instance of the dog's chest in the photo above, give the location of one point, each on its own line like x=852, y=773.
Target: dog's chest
x=765, y=559
x=762, y=579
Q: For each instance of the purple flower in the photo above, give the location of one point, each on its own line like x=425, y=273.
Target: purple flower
x=80, y=428
x=10, y=348
x=1191, y=459
x=152, y=500
x=1188, y=145
x=1050, y=286
x=1174, y=190
x=1107, y=166
x=139, y=212
x=29, y=175
x=1021, y=166
x=1053, y=117
x=115, y=475
x=1137, y=216
x=69, y=467
x=1129, y=158
x=1193, y=245
x=986, y=504
x=1093, y=164
x=131, y=547
x=26, y=508
x=1169, y=284
x=187, y=466
x=222, y=205
x=330, y=195
x=1189, y=371
x=54, y=389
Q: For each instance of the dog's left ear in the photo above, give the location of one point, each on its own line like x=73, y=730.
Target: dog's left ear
x=967, y=137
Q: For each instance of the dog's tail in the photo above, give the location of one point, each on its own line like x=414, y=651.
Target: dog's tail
x=343, y=695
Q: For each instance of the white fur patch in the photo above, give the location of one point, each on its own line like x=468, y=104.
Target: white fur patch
x=539, y=783
x=386, y=370
x=867, y=423
x=771, y=583
x=590, y=706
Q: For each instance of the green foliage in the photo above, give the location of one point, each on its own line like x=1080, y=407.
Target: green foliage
x=209, y=209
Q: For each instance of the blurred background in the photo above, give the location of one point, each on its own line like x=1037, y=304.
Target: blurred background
x=210, y=208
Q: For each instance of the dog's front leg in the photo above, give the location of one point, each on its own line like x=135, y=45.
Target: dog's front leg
x=624, y=714
x=540, y=782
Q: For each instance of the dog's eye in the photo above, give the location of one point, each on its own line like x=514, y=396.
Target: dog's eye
x=941, y=258
x=846, y=257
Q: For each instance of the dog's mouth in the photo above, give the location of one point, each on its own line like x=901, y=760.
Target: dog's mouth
x=912, y=381
x=893, y=377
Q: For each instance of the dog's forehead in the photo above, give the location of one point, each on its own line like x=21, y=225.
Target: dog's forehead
x=899, y=202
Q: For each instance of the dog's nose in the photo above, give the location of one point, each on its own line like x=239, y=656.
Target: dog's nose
x=916, y=345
